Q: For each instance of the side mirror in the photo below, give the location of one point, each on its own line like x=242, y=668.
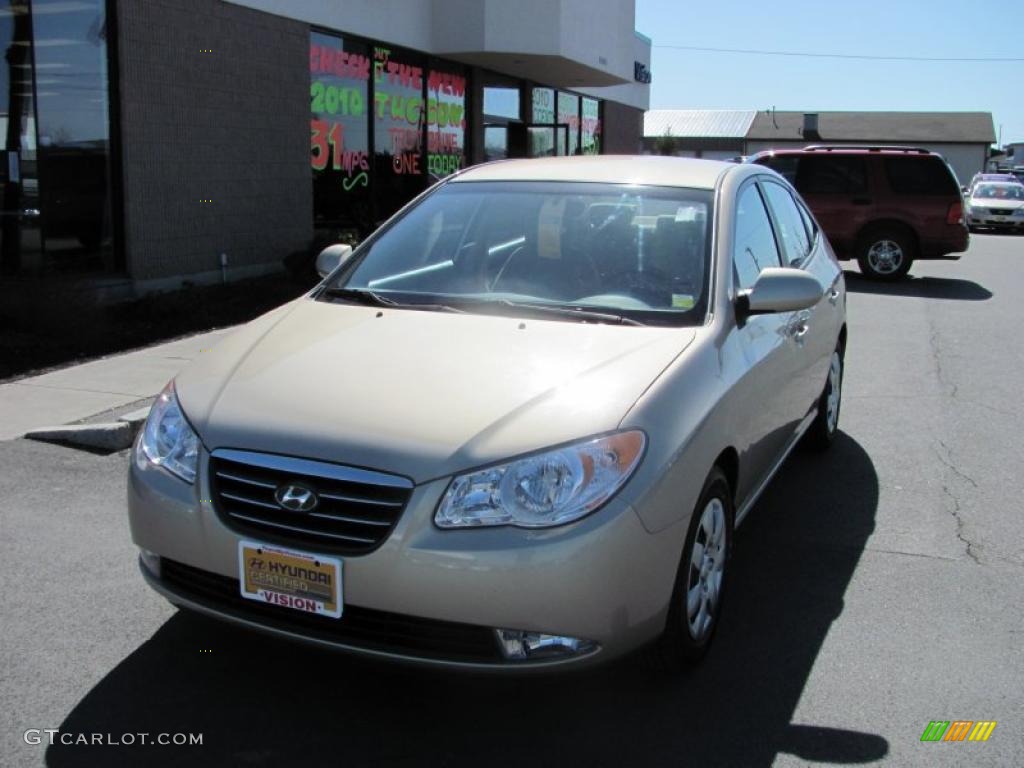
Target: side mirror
x=780, y=289
x=332, y=257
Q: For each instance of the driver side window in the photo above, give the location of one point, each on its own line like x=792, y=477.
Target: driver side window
x=754, y=246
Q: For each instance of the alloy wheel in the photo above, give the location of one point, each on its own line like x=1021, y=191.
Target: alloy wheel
x=707, y=567
x=885, y=256
x=835, y=384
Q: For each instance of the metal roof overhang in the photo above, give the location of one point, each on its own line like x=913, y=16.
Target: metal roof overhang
x=556, y=71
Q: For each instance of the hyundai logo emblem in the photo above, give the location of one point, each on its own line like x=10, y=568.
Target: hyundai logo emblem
x=296, y=498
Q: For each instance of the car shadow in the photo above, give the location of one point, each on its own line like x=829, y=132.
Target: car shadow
x=950, y=288
x=261, y=701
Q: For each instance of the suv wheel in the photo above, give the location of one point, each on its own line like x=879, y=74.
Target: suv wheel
x=885, y=254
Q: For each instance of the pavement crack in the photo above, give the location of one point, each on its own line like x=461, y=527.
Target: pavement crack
x=948, y=462
x=940, y=373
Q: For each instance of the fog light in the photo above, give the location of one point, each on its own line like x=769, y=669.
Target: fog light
x=518, y=645
x=151, y=561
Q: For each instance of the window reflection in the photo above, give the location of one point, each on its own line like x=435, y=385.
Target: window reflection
x=56, y=208
x=569, y=115
x=74, y=134
x=501, y=102
x=19, y=233
x=399, y=117
x=446, y=121
x=339, y=71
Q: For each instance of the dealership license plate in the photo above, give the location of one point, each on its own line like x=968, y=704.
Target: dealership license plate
x=288, y=578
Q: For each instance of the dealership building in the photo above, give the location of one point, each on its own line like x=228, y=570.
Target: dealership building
x=150, y=142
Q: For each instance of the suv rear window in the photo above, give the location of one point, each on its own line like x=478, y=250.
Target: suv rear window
x=825, y=175
x=920, y=176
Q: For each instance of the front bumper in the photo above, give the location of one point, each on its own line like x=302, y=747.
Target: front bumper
x=604, y=579
x=1009, y=223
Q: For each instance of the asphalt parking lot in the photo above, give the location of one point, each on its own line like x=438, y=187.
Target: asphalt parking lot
x=874, y=589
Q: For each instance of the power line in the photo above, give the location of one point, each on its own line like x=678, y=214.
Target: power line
x=836, y=55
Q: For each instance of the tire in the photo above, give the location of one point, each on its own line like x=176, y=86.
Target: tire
x=885, y=254
x=823, y=430
x=688, y=633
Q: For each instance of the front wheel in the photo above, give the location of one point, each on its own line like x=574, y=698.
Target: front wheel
x=885, y=255
x=696, y=604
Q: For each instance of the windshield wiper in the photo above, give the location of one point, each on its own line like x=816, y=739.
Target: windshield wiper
x=374, y=299
x=583, y=315
x=360, y=296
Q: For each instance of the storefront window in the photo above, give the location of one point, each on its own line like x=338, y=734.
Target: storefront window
x=56, y=175
x=590, y=127
x=543, y=106
x=446, y=121
x=339, y=149
x=20, y=240
x=501, y=102
x=495, y=142
x=569, y=115
x=542, y=140
x=399, y=117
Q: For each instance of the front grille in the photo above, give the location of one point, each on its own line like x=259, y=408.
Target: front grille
x=1001, y=211
x=356, y=511
x=357, y=627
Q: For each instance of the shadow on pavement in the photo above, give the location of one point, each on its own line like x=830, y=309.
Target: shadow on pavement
x=949, y=288
x=260, y=701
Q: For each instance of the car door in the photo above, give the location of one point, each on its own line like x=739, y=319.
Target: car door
x=763, y=356
x=812, y=332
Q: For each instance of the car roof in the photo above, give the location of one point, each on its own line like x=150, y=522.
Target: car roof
x=656, y=170
x=888, y=151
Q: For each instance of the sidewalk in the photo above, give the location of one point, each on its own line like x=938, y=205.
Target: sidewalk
x=79, y=391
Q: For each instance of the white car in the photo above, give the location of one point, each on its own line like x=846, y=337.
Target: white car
x=996, y=205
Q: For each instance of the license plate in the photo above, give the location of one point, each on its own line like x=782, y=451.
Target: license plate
x=288, y=578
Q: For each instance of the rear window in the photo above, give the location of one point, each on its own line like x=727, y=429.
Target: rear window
x=836, y=175
x=926, y=175
x=785, y=166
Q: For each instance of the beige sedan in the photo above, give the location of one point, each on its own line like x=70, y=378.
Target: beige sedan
x=514, y=429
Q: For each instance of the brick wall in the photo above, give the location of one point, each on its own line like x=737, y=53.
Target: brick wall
x=230, y=126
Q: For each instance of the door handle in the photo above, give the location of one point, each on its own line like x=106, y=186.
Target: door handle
x=861, y=201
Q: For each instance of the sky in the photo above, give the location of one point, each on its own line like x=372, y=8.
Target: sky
x=685, y=79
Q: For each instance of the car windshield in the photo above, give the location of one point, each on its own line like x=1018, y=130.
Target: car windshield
x=1000, y=191
x=564, y=250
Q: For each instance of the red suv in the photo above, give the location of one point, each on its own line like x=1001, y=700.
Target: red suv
x=884, y=206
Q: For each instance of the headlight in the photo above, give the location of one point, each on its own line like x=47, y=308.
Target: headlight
x=546, y=489
x=168, y=440
x=1019, y=211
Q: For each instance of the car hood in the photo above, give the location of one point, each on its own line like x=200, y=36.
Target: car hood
x=417, y=393
x=995, y=202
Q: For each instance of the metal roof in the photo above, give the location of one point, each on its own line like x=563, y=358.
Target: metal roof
x=698, y=123
x=869, y=127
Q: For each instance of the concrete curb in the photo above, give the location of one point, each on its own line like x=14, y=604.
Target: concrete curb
x=113, y=436
x=136, y=417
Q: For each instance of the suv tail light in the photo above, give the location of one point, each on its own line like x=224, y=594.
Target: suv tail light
x=955, y=214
